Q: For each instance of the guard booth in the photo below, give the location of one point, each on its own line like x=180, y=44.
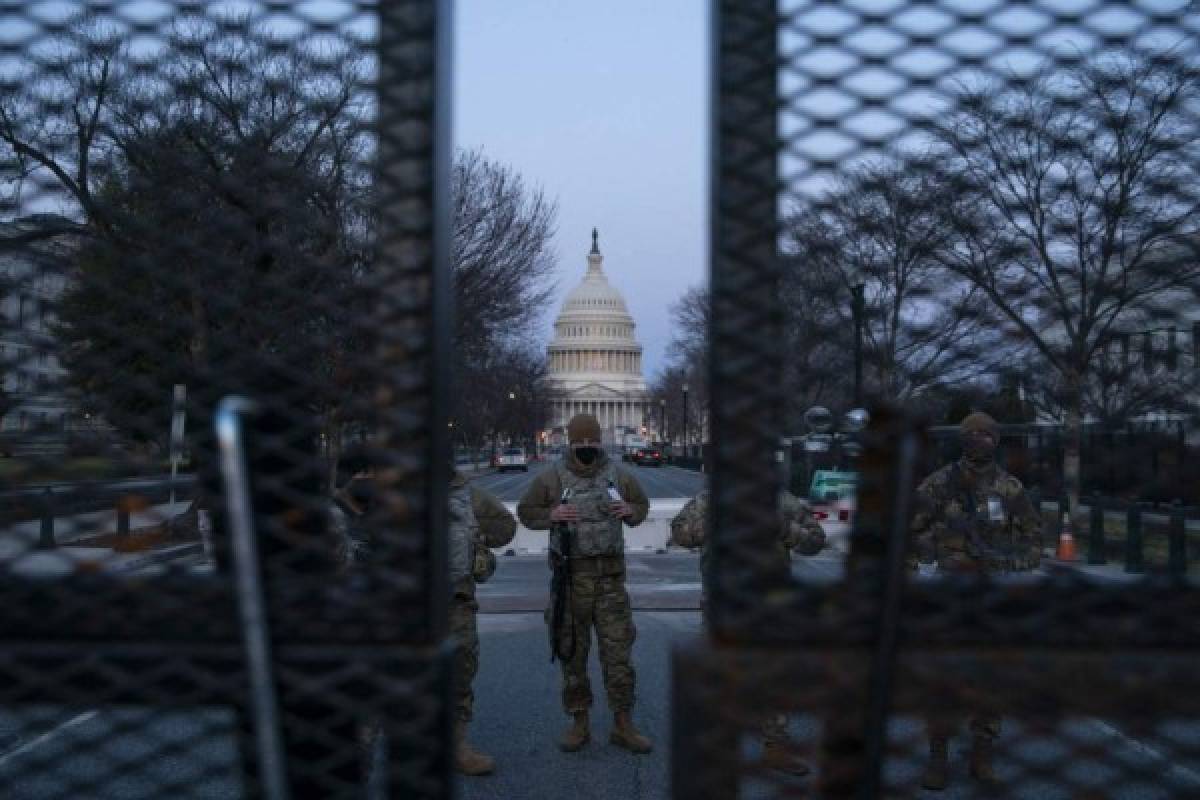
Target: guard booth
x=849, y=141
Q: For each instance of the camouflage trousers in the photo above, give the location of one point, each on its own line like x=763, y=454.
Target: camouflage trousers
x=463, y=610
x=773, y=728
x=600, y=602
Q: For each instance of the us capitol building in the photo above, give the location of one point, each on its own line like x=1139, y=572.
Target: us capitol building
x=595, y=362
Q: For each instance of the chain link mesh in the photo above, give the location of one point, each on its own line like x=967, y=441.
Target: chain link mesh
x=940, y=208
x=203, y=201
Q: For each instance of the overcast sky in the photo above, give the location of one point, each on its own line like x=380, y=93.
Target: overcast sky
x=604, y=106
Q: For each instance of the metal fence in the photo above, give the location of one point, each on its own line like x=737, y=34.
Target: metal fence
x=963, y=206
x=245, y=201
x=954, y=183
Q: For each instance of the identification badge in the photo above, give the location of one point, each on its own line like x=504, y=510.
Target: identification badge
x=995, y=509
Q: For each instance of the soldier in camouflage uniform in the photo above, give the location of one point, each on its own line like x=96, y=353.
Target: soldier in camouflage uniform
x=602, y=498
x=973, y=517
x=798, y=531
x=477, y=523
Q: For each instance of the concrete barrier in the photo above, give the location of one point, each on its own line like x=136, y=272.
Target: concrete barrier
x=650, y=536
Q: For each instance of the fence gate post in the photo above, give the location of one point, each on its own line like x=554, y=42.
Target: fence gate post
x=123, y=517
x=1177, y=543
x=46, y=533
x=1096, y=554
x=1133, y=539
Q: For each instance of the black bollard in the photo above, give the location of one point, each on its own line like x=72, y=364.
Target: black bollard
x=46, y=534
x=1177, y=543
x=122, y=518
x=1133, y=540
x=1096, y=554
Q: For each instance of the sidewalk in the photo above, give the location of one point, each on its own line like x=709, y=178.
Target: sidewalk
x=19, y=537
x=73, y=560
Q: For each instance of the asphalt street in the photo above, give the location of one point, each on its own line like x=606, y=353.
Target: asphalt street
x=130, y=752
x=661, y=582
x=658, y=482
x=519, y=719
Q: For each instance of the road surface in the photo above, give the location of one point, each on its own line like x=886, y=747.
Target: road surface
x=136, y=752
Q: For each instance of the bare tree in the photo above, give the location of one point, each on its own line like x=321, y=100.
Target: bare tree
x=55, y=117
x=502, y=395
x=503, y=263
x=666, y=392
x=687, y=365
x=882, y=227
x=503, y=266
x=1074, y=209
x=1133, y=376
x=220, y=205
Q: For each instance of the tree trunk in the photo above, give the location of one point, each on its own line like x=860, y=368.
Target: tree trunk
x=333, y=445
x=1072, y=445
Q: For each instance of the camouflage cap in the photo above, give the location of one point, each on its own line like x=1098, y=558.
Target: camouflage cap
x=979, y=422
x=583, y=428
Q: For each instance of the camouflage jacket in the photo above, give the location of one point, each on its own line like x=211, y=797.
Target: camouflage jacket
x=975, y=521
x=496, y=528
x=545, y=490
x=798, y=529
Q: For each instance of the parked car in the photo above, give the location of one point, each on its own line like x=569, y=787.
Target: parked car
x=833, y=499
x=648, y=457
x=512, y=458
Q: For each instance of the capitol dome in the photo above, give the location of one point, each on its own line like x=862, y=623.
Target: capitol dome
x=595, y=360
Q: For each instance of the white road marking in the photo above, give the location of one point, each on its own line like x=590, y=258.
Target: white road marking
x=49, y=735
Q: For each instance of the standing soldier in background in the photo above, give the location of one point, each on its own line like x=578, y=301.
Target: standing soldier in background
x=477, y=522
x=591, y=497
x=973, y=517
x=798, y=531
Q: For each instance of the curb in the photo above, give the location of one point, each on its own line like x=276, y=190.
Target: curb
x=164, y=555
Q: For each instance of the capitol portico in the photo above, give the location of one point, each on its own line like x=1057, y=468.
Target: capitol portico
x=595, y=361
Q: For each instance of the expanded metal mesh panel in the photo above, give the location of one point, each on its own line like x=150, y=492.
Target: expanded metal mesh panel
x=1061, y=743
x=928, y=209
x=200, y=201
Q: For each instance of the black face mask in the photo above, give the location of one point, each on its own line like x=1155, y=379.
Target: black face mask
x=979, y=450
x=587, y=455
x=363, y=492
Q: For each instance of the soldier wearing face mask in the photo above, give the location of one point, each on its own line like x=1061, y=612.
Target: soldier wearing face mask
x=584, y=500
x=973, y=517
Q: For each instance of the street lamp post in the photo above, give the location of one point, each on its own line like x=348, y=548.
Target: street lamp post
x=512, y=416
x=685, y=420
x=662, y=419
x=857, y=292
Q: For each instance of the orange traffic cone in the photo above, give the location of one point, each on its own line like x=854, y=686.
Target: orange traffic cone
x=1066, y=541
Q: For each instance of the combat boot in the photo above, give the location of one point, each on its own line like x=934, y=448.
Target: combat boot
x=627, y=736
x=937, y=771
x=981, y=761
x=782, y=756
x=467, y=759
x=579, y=734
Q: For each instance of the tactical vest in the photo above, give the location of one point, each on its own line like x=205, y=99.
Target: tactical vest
x=985, y=522
x=597, y=533
x=463, y=531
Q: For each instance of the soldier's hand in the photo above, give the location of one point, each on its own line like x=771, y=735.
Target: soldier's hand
x=621, y=510
x=564, y=513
